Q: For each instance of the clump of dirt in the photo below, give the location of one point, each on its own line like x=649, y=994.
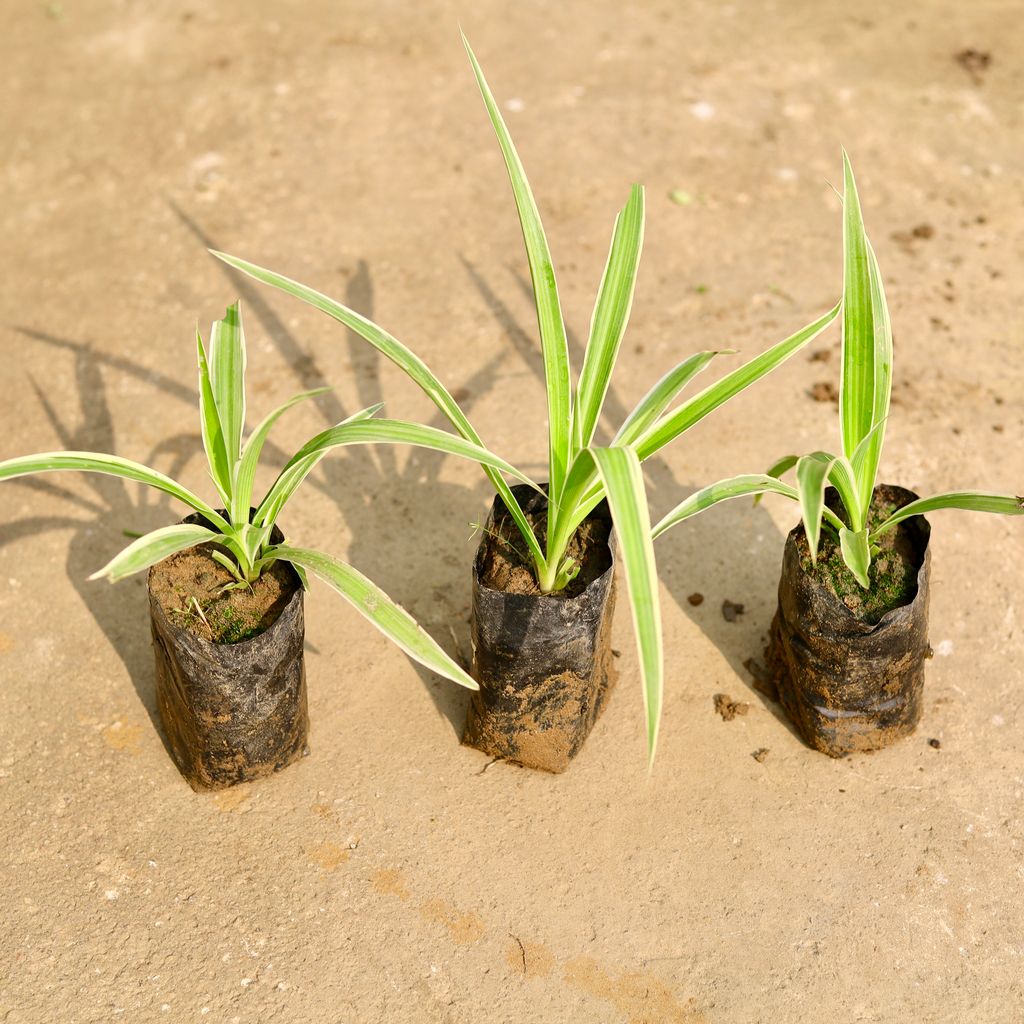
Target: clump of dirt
x=760, y=755
x=507, y=565
x=696, y=599
x=974, y=62
x=731, y=610
x=189, y=586
x=824, y=391
x=893, y=571
x=729, y=708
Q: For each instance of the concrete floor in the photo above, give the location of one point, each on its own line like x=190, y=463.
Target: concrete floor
x=388, y=877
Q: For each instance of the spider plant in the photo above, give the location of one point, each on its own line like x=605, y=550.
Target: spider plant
x=241, y=534
x=581, y=474
x=864, y=393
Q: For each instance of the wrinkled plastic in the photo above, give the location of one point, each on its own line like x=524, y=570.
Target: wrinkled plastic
x=232, y=712
x=544, y=663
x=848, y=685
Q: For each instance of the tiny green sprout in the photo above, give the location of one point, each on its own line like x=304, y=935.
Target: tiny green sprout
x=864, y=394
x=241, y=534
x=581, y=473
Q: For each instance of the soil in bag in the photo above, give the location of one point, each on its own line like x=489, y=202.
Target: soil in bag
x=848, y=663
x=230, y=676
x=543, y=661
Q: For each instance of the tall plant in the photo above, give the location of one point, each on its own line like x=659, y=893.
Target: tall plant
x=581, y=474
x=864, y=395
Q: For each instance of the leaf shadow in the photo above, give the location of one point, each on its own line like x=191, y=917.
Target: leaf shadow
x=110, y=507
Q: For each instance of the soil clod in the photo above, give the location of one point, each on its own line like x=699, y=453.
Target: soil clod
x=760, y=754
x=731, y=610
x=824, y=391
x=729, y=708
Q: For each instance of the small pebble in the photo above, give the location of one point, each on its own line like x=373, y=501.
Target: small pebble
x=935, y=744
x=696, y=599
x=760, y=754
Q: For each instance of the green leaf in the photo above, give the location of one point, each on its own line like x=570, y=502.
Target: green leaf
x=842, y=477
x=545, y=291
x=213, y=435
x=678, y=422
x=374, y=432
x=227, y=375
x=368, y=599
x=857, y=378
x=152, y=548
x=611, y=313
x=970, y=501
x=724, y=490
x=657, y=400
x=811, y=474
x=404, y=359
x=778, y=469
x=866, y=466
x=110, y=465
x=623, y=479
x=246, y=474
x=856, y=549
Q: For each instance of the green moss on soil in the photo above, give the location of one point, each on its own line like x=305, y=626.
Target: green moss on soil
x=893, y=571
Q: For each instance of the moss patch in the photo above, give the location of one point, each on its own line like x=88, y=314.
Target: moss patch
x=893, y=572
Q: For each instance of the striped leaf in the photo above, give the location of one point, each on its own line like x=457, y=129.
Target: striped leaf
x=623, y=480
x=227, y=375
x=246, y=474
x=154, y=547
x=611, y=313
x=111, y=465
x=669, y=427
x=970, y=501
x=213, y=435
x=545, y=292
x=372, y=603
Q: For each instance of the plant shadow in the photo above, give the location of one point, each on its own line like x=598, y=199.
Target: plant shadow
x=110, y=507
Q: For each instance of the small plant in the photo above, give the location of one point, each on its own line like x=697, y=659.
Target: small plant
x=241, y=535
x=864, y=392
x=581, y=474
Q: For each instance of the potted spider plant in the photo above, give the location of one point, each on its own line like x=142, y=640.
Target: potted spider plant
x=850, y=637
x=543, y=577
x=226, y=588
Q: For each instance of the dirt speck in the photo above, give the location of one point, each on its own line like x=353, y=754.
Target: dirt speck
x=123, y=738
x=731, y=610
x=463, y=928
x=824, y=391
x=934, y=744
x=328, y=856
x=760, y=755
x=696, y=599
x=729, y=708
x=974, y=62
x=389, y=882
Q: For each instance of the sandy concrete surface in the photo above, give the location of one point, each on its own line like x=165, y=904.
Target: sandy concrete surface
x=394, y=876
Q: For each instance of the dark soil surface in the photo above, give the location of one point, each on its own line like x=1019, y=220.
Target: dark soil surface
x=190, y=588
x=509, y=568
